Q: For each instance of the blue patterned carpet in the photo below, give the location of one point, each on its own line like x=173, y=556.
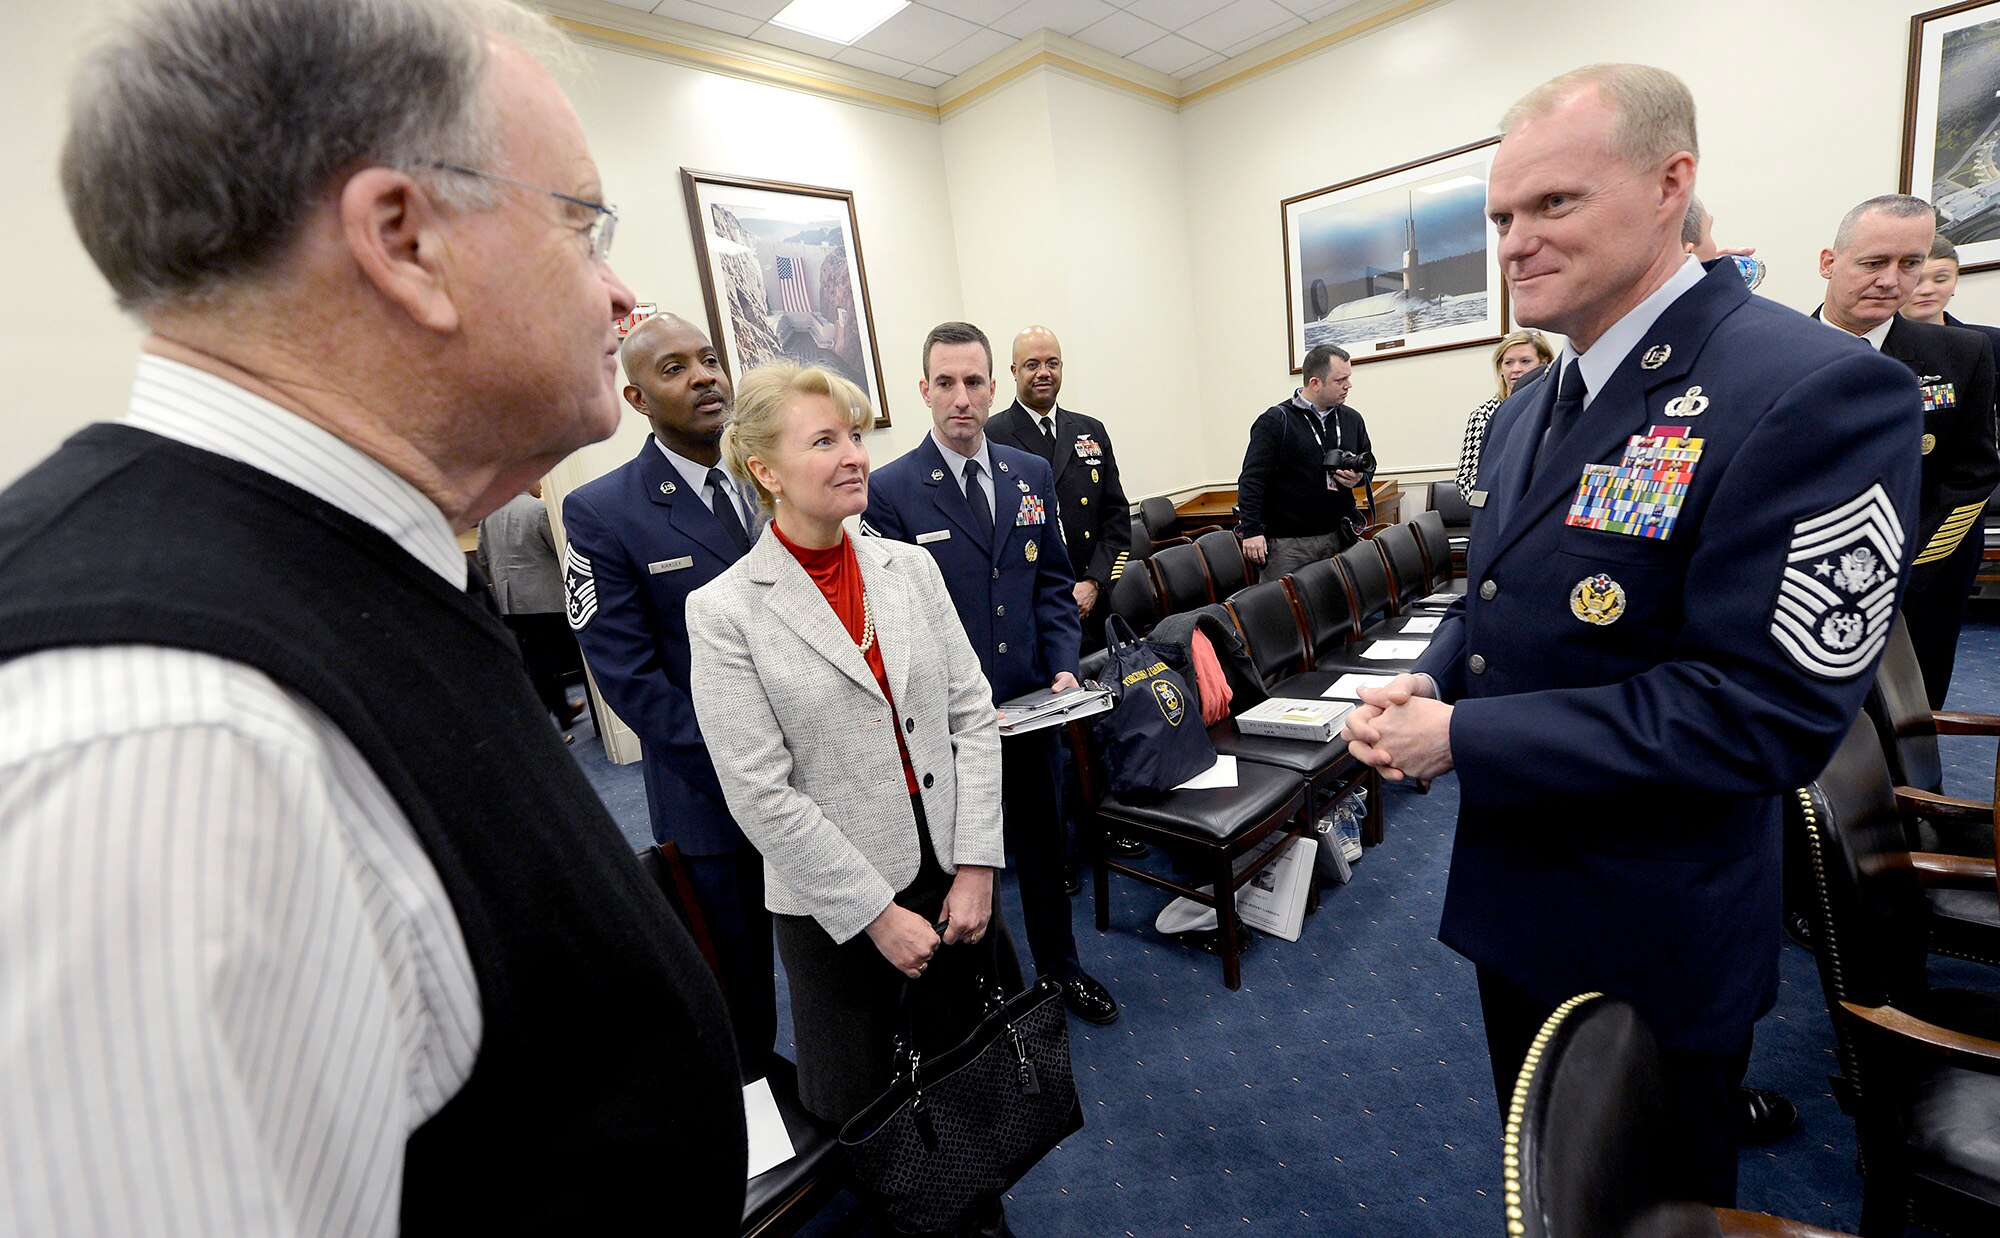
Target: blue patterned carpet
x=1345, y=1089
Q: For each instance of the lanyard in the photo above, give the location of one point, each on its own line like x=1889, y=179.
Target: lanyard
x=1319, y=435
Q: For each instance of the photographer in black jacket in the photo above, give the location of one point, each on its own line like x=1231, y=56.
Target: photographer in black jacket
x=1295, y=496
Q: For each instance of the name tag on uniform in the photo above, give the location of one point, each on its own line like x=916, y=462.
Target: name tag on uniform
x=670, y=565
x=925, y=539
x=1475, y=498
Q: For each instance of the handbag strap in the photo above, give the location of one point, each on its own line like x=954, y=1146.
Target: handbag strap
x=1118, y=630
x=904, y=1054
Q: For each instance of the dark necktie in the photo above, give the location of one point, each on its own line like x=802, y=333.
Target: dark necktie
x=982, y=511
x=1048, y=425
x=1568, y=406
x=725, y=511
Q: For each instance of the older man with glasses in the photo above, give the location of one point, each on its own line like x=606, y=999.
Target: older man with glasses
x=313, y=925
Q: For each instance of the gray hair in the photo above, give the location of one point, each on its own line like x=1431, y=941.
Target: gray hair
x=1655, y=111
x=1693, y=222
x=202, y=131
x=1894, y=205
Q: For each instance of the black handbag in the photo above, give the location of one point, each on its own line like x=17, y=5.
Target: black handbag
x=1153, y=738
x=957, y=1129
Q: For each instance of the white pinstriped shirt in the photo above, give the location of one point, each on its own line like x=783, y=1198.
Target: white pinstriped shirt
x=230, y=981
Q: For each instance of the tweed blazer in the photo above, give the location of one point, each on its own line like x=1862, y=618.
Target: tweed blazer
x=801, y=734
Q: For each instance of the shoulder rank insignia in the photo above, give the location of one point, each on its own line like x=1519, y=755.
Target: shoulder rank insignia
x=1693, y=404
x=1597, y=600
x=580, y=588
x=667, y=487
x=1833, y=609
x=1656, y=356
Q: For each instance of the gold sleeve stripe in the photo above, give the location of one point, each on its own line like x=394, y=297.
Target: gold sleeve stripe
x=1951, y=533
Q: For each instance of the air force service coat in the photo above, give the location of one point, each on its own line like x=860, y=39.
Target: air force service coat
x=1015, y=596
x=640, y=540
x=1630, y=708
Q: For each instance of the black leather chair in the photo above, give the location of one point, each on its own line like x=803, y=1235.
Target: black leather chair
x=1227, y=570
x=1444, y=575
x=1180, y=573
x=1366, y=572
x=778, y=1202
x=1320, y=594
x=1263, y=614
x=1134, y=597
x=1920, y=1067
x=1159, y=516
x=1450, y=505
x=1409, y=579
x=1584, y=1141
x=1207, y=831
x=1368, y=575
x=1964, y=924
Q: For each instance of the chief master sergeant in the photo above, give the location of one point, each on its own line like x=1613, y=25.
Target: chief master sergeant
x=1681, y=582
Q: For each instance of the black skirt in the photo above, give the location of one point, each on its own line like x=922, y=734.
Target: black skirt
x=847, y=998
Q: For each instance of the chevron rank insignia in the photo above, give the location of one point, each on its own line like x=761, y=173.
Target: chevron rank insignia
x=579, y=590
x=1949, y=534
x=1838, y=594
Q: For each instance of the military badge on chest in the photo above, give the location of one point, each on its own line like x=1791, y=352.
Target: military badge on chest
x=1088, y=451
x=1597, y=600
x=1835, y=598
x=1032, y=511
x=1939, y=396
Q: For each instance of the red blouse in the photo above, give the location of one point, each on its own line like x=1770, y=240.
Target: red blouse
x=838, y=574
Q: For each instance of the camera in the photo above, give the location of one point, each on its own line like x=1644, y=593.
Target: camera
x=1338, y=459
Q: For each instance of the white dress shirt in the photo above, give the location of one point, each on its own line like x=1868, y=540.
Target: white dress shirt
x=696, y=476
x=956, y=463
x=231, y=984
x=1874, y=337
x=1611, y=348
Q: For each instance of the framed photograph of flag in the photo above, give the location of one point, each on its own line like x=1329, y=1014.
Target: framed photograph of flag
x=1397, y=262
x=1951, y=126
x=781, y=269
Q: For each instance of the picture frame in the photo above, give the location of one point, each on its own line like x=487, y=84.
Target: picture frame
x=1396, y=263
x=1951, y=126
x=783, y=276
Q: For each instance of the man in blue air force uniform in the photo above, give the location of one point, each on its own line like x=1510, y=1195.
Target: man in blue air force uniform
x=987, y=514
x=641, y=538
x=1682, y=572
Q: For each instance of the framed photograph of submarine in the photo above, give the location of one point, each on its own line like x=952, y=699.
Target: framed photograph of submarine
x=781, y=270
x=1398, y=262
x=1951, y=126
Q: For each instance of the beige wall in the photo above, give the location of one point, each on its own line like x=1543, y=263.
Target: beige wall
x=1801, y=117
x=1148, y=238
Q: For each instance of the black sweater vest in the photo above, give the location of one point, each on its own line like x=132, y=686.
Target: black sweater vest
x=605, y=1093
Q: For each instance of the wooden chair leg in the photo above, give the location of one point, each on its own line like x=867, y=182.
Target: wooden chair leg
x=1225, y=921
x=1100, y=876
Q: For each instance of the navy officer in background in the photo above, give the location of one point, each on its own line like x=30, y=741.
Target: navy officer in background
x=1096, y=517
x=987, y=514
x=1678, y=592
x=1872, y=270
x=641, y=538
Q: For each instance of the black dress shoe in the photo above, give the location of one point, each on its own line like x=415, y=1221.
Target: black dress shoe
x=1763, y=1117
x=1072, y=885
x=1088, y=1000
x=1130, y=848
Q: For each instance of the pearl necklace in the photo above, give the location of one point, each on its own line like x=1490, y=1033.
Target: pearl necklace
x=867, y=622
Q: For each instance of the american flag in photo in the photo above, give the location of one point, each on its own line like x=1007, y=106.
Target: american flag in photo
x=792, y=286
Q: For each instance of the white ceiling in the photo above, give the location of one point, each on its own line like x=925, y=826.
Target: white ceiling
x=934, y=41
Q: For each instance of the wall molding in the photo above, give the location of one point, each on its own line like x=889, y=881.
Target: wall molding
x=600, y=24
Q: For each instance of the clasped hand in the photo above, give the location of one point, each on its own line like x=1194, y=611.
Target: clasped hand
x=1401, y=729
x=909, y=941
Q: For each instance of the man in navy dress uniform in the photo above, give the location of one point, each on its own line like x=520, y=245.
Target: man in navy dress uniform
x=641, y=538
x=1872, y=270
x=1680, y=581
x=987, y=514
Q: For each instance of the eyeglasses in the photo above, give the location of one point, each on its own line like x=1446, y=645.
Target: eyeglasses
x=602, y=228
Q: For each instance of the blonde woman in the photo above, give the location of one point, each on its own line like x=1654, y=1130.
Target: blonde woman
x=856, y=742
x=1519, y=353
